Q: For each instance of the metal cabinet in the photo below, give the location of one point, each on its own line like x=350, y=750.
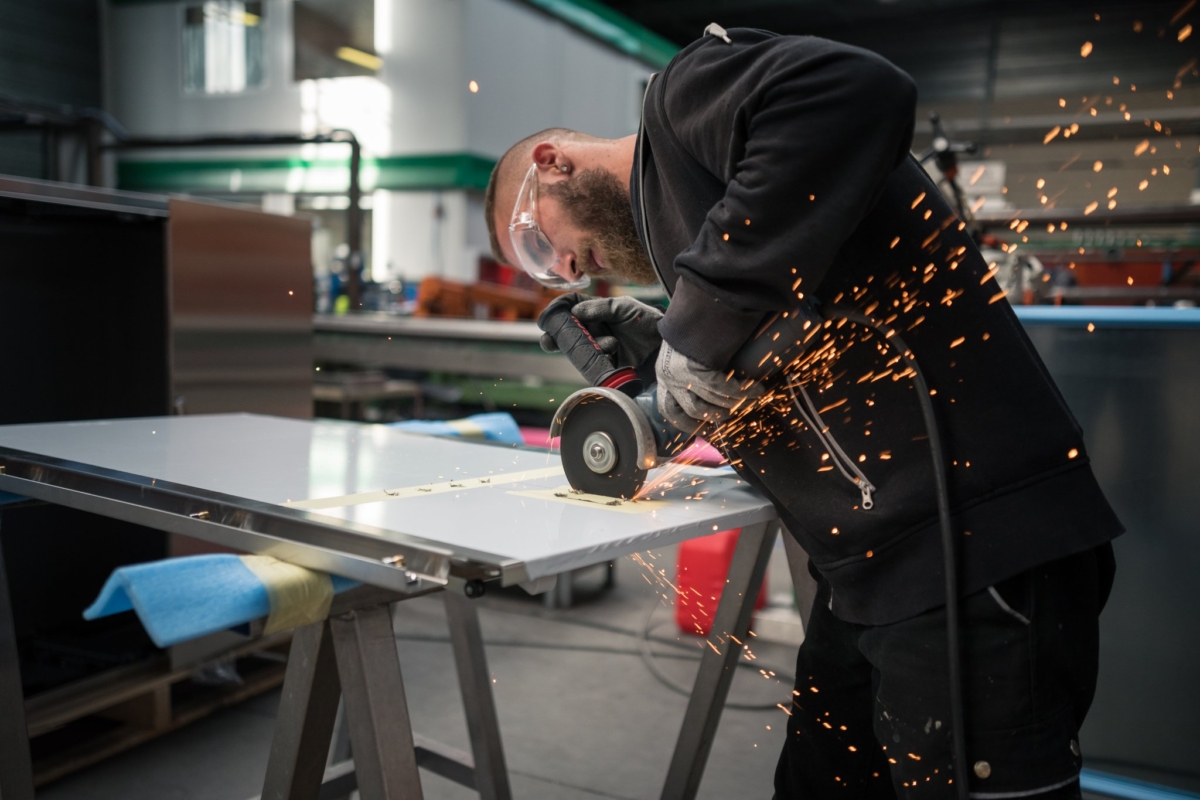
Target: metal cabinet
x=114, y=304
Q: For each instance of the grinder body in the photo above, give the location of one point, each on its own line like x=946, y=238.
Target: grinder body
x=613, y=433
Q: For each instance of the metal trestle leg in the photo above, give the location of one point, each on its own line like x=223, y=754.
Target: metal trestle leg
x=376, y=707
x=306, y=713
x=719, y=661
x=491, y=775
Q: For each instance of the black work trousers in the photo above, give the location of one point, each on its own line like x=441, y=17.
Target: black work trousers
x=870, y=710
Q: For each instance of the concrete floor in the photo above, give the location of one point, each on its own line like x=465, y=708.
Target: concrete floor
x=580, y=714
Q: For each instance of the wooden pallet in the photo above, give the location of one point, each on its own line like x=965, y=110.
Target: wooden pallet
x=84, y=722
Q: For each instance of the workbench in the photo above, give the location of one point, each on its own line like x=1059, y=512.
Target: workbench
x=407, y=515
x=482, y=347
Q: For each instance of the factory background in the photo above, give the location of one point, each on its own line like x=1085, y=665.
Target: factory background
x=162, y=254
x=442, y=88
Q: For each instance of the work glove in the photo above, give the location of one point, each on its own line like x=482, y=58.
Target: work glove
x=564, y=333
x=688, y=390
x=626, y=329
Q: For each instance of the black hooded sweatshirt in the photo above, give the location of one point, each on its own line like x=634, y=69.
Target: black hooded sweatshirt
x=771, y=168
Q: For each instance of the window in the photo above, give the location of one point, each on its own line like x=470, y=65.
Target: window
x=223, y=47
x=334, y=38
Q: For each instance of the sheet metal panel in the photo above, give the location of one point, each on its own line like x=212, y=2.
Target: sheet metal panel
x=268, y=460
x=1134, y=386
x=240, y=304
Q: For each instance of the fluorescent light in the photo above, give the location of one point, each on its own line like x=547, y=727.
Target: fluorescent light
x=360, y=58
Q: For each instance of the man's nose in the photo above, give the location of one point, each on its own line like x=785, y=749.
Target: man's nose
x=567, y=268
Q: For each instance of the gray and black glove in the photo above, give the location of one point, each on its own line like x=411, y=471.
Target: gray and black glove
x=689, y=390
x=626, y=329
x=563, y=332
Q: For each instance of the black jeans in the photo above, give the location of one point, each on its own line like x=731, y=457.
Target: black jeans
x=870, y=711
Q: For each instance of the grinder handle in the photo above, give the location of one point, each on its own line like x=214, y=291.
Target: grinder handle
x=580, y=347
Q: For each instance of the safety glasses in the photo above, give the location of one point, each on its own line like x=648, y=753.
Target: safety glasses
x=534, y=252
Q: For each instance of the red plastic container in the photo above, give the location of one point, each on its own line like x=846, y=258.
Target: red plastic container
x=701, y=568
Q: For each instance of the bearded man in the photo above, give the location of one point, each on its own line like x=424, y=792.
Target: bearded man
x=770, y=170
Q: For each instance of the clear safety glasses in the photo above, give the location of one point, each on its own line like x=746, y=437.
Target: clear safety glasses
x=534, y=251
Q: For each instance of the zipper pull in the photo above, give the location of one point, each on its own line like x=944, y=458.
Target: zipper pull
x=868, y=502
x=714, y=29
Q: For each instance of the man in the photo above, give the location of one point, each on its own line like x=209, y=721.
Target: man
x=770, y=170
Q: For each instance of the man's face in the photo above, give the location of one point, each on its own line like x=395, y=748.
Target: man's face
x=588, y=219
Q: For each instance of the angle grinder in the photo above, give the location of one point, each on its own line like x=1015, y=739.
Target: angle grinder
x=612, y=432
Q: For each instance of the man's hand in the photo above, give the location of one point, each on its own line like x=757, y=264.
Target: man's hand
x=563, y=332
x=626, y=329
x=691, y=391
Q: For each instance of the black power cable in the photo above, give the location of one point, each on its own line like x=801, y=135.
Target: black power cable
x=949, y=547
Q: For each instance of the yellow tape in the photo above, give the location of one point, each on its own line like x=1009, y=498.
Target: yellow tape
x=466, y=428
x=457, y=485
x=298, y=596
x=566, y=494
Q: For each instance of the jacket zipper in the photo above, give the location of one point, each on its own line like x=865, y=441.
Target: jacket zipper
x=843, y=462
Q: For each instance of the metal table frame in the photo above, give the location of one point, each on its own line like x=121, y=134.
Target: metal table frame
x=353, y=655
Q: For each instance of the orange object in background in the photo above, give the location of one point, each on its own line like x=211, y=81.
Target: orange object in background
x=1118, y=273
x=439, y=297
x=701, y=568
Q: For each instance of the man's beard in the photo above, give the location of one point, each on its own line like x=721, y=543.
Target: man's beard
x=598, y=204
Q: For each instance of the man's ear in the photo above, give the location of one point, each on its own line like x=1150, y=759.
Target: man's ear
x=550, y=158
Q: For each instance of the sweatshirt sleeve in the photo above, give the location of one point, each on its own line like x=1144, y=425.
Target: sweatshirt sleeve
x=804, y=132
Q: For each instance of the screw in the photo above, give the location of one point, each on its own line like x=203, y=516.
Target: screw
x=199, y=515
x=474, y=588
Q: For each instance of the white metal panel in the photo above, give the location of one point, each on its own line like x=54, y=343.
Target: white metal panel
x=275, y=460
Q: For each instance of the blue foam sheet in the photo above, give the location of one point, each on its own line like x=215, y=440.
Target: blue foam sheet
x=178, y=599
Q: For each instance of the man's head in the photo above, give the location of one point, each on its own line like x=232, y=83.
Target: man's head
x=582, y=204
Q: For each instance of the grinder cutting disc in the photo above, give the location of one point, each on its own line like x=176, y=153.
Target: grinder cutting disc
x=599, y=450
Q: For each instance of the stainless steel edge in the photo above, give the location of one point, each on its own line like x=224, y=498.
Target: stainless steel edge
x=312, y=540
x=367, y=570
x=83, y=196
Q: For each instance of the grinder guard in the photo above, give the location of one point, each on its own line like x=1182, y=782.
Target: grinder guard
x=635, y=423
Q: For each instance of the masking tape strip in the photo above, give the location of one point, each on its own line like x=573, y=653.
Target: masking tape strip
x=467, y=428
x=566, y=495
x=457, y=485
x=298, y=596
